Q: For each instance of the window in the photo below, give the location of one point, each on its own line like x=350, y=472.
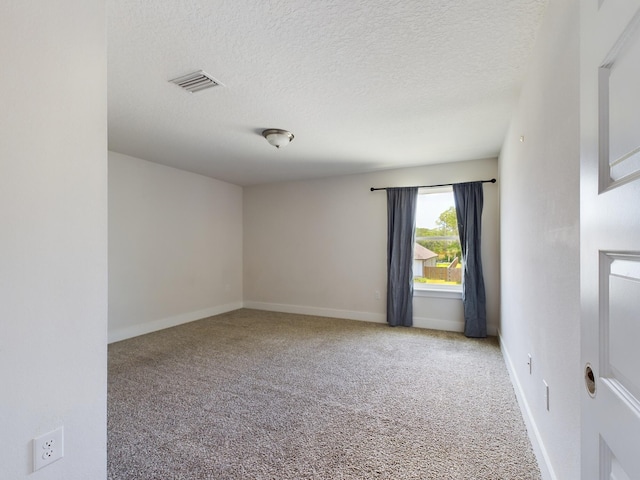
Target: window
x=437, y=258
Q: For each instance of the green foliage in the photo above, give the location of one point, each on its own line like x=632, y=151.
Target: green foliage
x=426, y=232
x=447, y=225
x=448, y=222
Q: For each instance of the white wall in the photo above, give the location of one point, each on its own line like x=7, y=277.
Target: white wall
x=53, y=237
x=175, y=246
x=539, y=203
x=319, y=246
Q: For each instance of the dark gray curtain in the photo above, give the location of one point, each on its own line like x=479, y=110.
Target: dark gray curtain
x=469, y=200
x=401, y=234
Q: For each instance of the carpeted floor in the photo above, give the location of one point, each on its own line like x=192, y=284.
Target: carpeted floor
x=262, y=395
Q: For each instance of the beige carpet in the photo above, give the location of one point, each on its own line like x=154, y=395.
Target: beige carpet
x=261, y=395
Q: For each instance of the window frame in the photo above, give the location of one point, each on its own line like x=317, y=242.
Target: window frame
x=430, y=289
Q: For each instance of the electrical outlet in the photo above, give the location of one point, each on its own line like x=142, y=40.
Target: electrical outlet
x=376, y=294
x=48, y=448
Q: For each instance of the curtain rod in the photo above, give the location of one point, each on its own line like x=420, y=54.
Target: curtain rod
x=493, y=180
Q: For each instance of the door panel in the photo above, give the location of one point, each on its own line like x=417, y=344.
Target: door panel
x=611, y=468
x=620, y=108
x=610, y=237
x=621, y=327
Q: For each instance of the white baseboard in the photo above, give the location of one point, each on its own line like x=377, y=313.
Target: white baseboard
x=544, y=462
x=160, y=324
x=318, y=311
x=418, y=322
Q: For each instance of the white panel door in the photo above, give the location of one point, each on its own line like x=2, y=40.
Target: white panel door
x=610, y=238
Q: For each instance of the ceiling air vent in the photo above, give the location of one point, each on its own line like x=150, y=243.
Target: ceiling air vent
x=196, y=81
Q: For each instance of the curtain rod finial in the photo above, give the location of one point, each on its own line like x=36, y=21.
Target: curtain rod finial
x=493, y=180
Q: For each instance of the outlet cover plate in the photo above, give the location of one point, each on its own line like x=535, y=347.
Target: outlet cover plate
x=48, y=448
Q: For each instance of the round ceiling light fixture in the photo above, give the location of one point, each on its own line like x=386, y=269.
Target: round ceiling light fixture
x=277, y=137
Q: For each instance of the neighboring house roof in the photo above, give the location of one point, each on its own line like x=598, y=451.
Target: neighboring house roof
x=422, y=253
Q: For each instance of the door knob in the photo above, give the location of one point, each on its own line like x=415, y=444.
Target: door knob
x=590, y=380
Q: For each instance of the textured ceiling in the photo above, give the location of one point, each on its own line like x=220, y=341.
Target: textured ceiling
x=363, y=84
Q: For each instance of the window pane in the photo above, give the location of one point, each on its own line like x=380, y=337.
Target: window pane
x=437, y=253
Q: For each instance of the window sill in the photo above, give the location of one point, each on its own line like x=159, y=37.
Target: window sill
x=437, y=292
